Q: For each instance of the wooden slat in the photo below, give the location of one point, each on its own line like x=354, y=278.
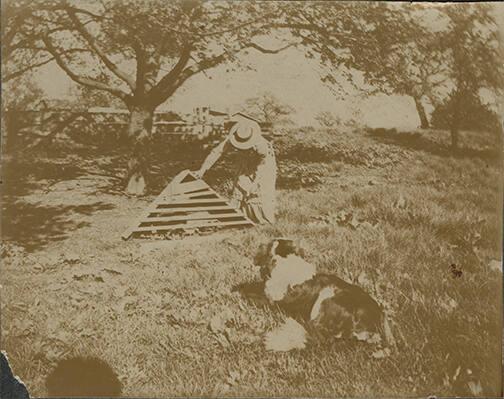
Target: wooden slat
x=204, y=190
x=185, y=226
x=209, y=201
x=182, y=188
x=192, y=209
x=203, y=196
x=193, y=195
x=208, y=216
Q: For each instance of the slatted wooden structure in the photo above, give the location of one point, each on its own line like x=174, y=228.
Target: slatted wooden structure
x=187, y=203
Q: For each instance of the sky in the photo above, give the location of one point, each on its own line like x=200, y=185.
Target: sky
x=291, y=77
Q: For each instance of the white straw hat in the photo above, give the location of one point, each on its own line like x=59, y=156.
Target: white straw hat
x=244, y=134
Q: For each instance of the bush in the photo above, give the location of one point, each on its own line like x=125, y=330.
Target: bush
x=474, y=115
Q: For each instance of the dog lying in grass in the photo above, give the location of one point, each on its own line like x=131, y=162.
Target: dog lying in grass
x=326, y=306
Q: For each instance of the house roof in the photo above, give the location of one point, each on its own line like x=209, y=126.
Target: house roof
x=246, y=116
x=217, y=113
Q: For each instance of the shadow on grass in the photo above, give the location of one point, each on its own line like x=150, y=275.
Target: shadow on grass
x=252, y=292
x=21, y=175
x=418, y=142
x=33, y=227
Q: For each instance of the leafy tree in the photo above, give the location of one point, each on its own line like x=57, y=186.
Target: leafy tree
x=472, y=54
x=331, y=32
x=327, y=119
x=378, y=39
x=268, y=108
x=398, y=52
x=140, y=52
x=476, y=116
x=403, y=55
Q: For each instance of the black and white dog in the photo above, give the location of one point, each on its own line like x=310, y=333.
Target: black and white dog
x=324, y=304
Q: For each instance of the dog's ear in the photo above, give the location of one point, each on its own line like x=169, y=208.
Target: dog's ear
x=283, y=247
x=286, y=247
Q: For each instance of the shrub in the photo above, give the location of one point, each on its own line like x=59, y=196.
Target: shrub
x=476, y=116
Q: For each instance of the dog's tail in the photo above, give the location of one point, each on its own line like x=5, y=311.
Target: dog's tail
x=290, y=335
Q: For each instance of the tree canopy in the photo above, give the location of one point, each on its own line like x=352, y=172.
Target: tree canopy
x=141, y=52
x=403, y=48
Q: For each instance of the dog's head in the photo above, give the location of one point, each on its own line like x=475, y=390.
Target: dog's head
x=278, y=247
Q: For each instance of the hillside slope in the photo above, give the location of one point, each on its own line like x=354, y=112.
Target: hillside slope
x=416, y=225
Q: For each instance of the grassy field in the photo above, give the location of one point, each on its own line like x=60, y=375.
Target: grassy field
x=398, y=213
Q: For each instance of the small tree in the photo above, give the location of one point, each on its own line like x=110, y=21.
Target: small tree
x=472, y=54
x=476, y=116
x=268, y=108
x=327, y=119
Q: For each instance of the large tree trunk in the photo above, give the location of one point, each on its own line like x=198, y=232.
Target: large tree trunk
x=139, y=133
x=424, y=121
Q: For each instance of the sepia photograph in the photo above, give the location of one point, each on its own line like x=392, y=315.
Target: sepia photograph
x=211, y=198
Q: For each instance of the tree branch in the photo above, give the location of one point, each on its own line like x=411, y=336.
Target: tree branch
x=170, y=77
x=26, y=40
x=85, y=81
x=178, y=75
x=85, y=12
x=19, y=72
x=269, y=51
x=98, y=51
x=237, y=27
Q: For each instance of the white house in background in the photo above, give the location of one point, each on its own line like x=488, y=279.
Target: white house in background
x=207, y=116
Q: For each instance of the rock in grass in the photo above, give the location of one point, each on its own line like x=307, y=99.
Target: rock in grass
x=290, y=335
